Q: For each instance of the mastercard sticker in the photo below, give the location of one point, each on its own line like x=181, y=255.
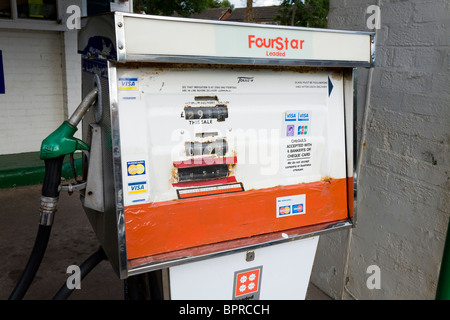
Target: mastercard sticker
x=284, y=210
x=136, y=168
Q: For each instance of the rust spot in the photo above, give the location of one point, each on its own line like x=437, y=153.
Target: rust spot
x=173, y=176
x=326, y=179
x=231, y=168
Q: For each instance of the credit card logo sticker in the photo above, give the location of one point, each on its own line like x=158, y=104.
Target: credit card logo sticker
x=291, y=205
x=302, y=130
x=290, y=130
x=135, y=168
x=137, y=187
x=284, y=210
x=296, y=123
x=290, y=116
x=304, y=116
x=297, y=208
x=128, y=84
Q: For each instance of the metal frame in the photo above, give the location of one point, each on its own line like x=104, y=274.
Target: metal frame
x=122, y=56
x=304, y=232
x=372, y=49
x=117, y=169
x=355, y=147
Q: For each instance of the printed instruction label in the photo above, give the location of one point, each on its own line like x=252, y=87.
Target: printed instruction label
x=291, y=205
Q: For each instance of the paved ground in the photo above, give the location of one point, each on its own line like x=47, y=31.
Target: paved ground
x=71, y=242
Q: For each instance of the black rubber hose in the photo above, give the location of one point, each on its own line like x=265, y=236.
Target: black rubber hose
x=33, y=264
x=86, y=267
x=52, y=180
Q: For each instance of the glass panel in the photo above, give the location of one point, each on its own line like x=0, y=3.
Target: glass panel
x=36, y=9
x=5, y=9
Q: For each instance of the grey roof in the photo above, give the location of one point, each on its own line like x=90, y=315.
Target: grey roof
x=211, y=14
x=259, y=14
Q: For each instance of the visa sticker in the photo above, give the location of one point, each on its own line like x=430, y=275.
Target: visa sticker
x=128, y=84
x=135, y=168
x=290, y=116
x=137, y=187
x=303, y=116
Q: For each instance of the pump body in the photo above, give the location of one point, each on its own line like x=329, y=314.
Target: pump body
x=201, y=149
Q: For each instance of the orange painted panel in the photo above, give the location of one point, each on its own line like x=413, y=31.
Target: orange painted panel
x=161, y=227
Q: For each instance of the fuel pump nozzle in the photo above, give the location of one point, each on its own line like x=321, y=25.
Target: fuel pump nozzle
x=61, y=141
x=53, y=149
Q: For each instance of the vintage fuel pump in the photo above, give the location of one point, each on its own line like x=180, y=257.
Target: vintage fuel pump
x=218, y=152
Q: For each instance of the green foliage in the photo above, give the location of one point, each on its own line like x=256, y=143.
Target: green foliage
x=307, y=13
x=182, y=7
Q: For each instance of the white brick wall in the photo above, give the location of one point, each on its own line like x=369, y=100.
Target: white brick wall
x=35, y=101
x=33, y=81
x=403, y=196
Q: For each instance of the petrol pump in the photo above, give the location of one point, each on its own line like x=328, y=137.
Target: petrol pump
x=215, y=153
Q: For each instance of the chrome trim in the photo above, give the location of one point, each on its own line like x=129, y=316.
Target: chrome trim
x=117, y=168
x=232, y=23
x=47, y=210
x=348, y=126
x=355, y=146
x=246, y=61
x=313, y=231
x=120, y=37
x=372, y=50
